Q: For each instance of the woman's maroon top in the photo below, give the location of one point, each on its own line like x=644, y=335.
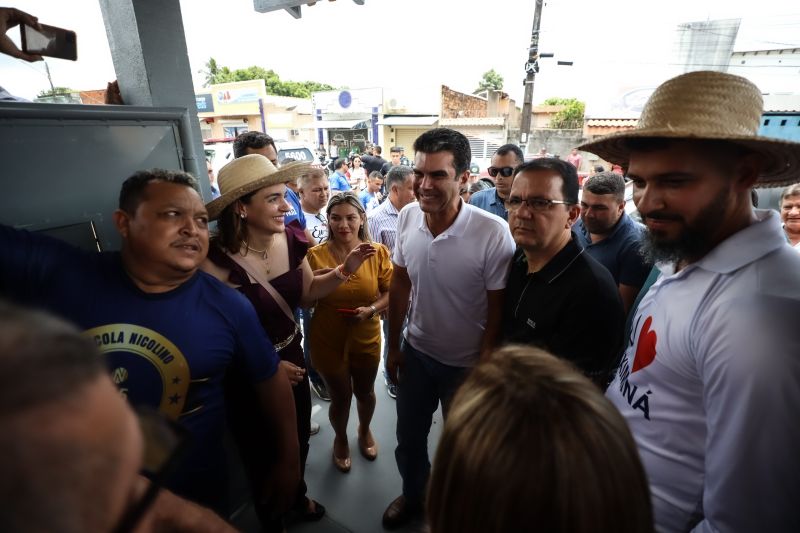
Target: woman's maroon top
x=289, y=285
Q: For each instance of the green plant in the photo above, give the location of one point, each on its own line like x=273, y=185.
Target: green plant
x=215, y=73
x=490, y=80
x=571, y=116
x=55, y=91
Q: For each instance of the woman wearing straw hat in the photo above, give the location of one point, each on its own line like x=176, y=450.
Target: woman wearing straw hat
x=254, y=252
x=345, y=336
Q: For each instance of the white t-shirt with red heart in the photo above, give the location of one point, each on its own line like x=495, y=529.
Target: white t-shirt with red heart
x=710, y=386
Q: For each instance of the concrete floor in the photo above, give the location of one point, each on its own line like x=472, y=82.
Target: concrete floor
x=355, y=501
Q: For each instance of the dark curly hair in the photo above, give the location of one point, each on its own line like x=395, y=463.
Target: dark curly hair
x=251, y=139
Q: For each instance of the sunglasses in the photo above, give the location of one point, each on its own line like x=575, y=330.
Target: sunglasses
x=504, y=171
x=165, y=442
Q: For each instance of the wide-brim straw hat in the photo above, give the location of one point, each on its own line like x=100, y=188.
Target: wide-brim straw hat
x=250, y=173
x=709, y=106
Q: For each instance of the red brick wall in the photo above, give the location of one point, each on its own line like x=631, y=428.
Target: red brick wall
x=456, y=104
x=93, y=97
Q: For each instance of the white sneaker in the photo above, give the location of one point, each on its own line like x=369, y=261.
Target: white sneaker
x=314, y=428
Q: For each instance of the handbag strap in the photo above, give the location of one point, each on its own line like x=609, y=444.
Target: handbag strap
x=262, y=280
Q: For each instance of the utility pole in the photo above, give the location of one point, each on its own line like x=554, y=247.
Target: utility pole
x=531, y=68
x=50, y=79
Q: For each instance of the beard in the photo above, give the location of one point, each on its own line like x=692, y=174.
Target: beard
x=696, y=239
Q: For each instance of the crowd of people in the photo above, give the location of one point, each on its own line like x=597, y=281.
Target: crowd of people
x=594, y=373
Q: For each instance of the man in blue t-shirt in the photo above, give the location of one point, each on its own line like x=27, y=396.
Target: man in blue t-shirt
x=169, y=332
x=370, y=197
x=338, y=180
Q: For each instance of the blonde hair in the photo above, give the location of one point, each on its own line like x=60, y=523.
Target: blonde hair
x=349, y=197
x=532, y=445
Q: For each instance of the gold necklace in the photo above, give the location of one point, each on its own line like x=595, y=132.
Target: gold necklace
x=264, y=253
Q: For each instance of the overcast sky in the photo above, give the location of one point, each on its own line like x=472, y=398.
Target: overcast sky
x=616, y=45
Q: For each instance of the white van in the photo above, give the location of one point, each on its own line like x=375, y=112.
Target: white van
x=296, y=150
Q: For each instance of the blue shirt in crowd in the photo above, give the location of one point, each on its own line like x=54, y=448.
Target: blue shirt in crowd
x=169, y=351
x=368, y=200
x=339, y=182
x=619, y=251
x=488, y=200
x=297, y=211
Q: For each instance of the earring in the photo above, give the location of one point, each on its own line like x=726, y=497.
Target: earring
x=243, y=215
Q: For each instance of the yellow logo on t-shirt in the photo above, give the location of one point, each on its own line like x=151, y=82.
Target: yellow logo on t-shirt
x=145, y=366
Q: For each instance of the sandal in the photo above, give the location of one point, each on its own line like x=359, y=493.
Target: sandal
x=370, y=453
x=342, y=464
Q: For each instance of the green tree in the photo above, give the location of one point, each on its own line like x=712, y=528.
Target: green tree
x=216, y=74
x=274, y=85
x=571, y=116
x=55, y=91
x=490, y=80
x=211, y=71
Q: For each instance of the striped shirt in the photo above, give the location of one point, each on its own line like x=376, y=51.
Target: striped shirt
x=382, y=223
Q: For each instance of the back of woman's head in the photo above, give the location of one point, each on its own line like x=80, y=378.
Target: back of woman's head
x=532, y=445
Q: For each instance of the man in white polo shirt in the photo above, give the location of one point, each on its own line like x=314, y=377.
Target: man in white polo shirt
x=709, y=380
x=453, y=259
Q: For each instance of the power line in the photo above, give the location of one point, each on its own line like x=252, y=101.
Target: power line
x=710, y=32
x=28, y=64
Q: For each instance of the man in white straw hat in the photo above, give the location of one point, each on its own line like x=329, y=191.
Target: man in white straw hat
x=709, y=379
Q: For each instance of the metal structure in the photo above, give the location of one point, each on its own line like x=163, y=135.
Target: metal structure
x=63, y=164
x=292, y=6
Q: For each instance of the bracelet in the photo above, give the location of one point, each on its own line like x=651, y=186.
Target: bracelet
x=340, y=273
x=374, y=311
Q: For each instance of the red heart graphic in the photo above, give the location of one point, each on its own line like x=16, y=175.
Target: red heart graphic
x=646, y=347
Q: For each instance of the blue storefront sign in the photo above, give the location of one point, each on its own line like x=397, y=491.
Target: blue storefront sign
x=205, y=103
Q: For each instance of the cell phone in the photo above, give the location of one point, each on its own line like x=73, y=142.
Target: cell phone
x=49, y=41
x=347, y=311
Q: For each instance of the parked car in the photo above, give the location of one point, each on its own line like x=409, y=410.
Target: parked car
x=296, y=150
x=219, y=152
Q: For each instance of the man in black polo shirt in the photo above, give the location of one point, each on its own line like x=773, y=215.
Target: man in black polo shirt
x=374, y=162
x=557, y=296
x=610, y=235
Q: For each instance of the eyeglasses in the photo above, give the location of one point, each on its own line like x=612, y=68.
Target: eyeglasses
x=534, y=204
x=164, y=443
x=505, y=171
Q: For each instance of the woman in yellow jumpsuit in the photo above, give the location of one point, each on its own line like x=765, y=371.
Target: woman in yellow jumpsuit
x=345, y=335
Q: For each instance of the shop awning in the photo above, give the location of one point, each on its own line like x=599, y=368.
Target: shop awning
x=408, y=121
x=337, y=124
